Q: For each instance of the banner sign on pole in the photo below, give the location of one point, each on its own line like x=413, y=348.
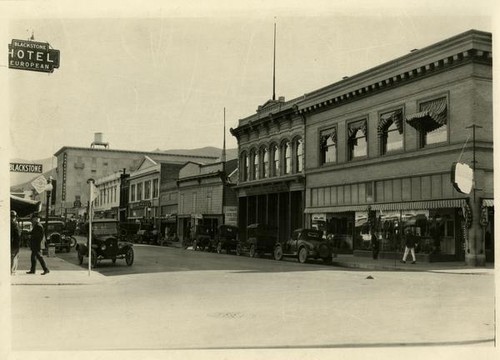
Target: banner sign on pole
x=40, y=184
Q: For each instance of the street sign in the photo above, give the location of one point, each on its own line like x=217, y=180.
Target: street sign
x=26, y=168
x=462, y=177
x=32, y=56
x=40, y=184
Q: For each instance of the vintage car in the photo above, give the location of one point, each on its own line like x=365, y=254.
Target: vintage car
x=58, y=236
x=261, y=239
x=202, y=238
x=304, y=244
x=147, y=234
x=225, y=239
x=106, y=244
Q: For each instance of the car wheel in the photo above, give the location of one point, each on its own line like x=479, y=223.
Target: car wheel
x=252, y=251
x=302, y=256
x=129, y=257
x=93, y=255
x=195, y=245
x=219, y=247
x=80, y=258
x=278, y=253
x=238, y=250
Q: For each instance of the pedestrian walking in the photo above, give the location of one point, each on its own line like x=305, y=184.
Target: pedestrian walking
x=375, y=245
x=37, y=235
x=409, y=246
x=15, y=242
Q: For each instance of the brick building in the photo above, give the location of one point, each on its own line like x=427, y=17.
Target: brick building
x=385, y=140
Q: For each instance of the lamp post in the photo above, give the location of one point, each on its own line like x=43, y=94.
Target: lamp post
x=48, y=190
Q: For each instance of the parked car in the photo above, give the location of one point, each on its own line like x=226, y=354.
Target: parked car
x=305, y=244
x=202, y=238
x=58, y=236
x=261, y=239
x=147, y=234
x=106, y=244
x=225, y=239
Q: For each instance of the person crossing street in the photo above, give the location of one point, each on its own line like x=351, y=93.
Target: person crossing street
x=37, y=235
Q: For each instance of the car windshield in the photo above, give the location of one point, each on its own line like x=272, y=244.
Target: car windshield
x=312, y=234
x=55, y=227
x=104, y=228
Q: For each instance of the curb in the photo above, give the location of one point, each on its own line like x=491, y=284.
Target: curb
x=57, y=277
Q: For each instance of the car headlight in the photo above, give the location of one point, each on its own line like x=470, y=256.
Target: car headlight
x=103, y=247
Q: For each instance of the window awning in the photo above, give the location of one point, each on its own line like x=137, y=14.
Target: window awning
x=335, y=209
x=395, y=117
x=432, y=116
x=354, y=127
x=488, y=202
x=421, y=205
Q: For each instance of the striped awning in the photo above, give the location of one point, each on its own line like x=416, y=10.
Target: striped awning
x=488, y=202
x=421, y=205
x=431, y=117
x=335, y=209
x=386, y=120
x=412, y=205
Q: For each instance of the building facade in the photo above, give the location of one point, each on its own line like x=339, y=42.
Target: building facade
x=75, y=165
x=380, y=145
x=206, y=196
x=107, y=203
x=271, y=168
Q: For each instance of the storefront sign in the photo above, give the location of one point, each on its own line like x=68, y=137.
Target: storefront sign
x=32, y=56
x=231, y=215
x=26, y=168
x=144, y=204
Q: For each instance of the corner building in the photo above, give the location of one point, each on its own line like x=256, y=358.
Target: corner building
x=271, y=168
x=383, y=142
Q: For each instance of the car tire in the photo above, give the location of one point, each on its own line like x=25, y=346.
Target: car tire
x=219, y=247
x=252, y=253
x=129, y=257
x=302, y=255
x=278, y=253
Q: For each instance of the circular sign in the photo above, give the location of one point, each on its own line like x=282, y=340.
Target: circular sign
x=462, y=177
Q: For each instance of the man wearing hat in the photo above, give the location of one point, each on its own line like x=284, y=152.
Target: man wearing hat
x=36, y=245
x=14, y=242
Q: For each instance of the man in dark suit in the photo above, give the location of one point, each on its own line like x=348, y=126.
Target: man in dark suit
x=37, y=235
x=15, y=237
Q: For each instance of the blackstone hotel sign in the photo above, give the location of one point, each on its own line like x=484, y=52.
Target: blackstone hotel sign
x=32, y=56
x=26, y=168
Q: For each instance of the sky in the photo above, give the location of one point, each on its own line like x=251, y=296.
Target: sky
x=159, y=76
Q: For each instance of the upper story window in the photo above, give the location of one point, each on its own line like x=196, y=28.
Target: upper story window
x=139, y=191
x=275, y=158
x=244, y=167
x=390, y=131
x=147, y=189
x=287, y=158
x=431, y=122
x=328, y=146
x=357, y=140
x=299, y=155
x=156, y=189
x=255, y=164
x=264, y=153
x=132, y=192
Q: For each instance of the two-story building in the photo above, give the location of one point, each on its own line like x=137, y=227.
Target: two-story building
x=385, y=140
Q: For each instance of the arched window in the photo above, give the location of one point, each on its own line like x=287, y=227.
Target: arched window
x=299, y=155
x=265, y=162
x=431, y=122
x=328, y=145
x=390, y=130
x=358, y=144
x=275, y=158
x=244, y=167
x=255, y=166
x=287, y=158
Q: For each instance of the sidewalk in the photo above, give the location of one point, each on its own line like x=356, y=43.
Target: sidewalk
x=61, y=272
x=367, y=263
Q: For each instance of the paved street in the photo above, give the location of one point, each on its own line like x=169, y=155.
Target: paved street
x=180, y=299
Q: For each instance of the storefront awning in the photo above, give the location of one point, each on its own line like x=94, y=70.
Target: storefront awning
x=421, y=205
x=24, y=207
x=335, y=209
x=488, y=202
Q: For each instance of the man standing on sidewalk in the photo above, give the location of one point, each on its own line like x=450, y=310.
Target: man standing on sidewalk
x=410, y=245
x=15, y=238
x=37, y=235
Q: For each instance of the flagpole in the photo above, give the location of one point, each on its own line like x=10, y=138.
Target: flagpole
x=91, y=195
